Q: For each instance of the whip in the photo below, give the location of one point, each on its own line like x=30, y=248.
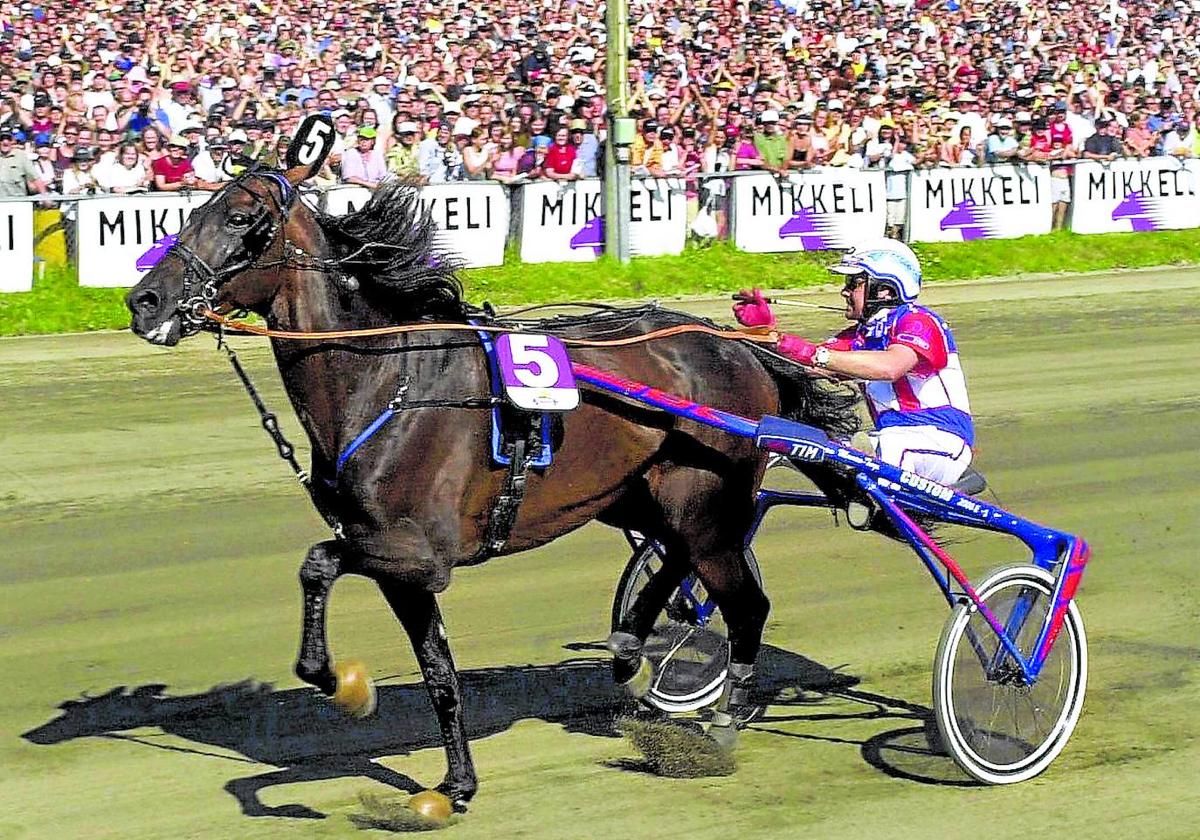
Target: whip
x=784, y=302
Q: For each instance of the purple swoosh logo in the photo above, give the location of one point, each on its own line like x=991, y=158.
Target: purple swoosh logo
x=591, y=235
x=1138, y=209
x=156, y=252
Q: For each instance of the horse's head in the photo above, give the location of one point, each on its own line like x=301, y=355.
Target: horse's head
x=113, y=711
x=224, y=256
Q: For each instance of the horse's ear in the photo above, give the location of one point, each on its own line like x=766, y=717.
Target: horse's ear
x=309, y=148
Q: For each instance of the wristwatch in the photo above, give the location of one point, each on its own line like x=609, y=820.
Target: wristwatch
x=820, y=357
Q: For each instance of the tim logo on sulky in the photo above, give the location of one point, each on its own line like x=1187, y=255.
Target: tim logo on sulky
x=1144, y=212
x=820, y=231
x=972, y=220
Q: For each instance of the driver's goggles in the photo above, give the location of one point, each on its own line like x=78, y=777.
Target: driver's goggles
x=853, y=281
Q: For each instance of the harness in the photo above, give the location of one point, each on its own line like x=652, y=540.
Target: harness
x=521, y=440
x=265, y=226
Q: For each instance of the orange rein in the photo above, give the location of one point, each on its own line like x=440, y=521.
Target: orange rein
x=665, y=332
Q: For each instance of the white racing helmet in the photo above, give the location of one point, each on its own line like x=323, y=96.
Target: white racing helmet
x=885, y=262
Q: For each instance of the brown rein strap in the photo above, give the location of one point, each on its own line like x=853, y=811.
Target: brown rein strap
x=666, y=332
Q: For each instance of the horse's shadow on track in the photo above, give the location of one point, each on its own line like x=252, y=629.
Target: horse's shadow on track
x=298, y=731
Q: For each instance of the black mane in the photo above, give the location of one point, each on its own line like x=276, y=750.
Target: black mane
x=390, y=247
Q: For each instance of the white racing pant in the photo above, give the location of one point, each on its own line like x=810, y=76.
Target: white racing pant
x=925, y=450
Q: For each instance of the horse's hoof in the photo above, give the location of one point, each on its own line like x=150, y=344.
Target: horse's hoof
x=459, y=793
x=725, y=736
x=355, y=694
x=638, y=686
x=432, y=805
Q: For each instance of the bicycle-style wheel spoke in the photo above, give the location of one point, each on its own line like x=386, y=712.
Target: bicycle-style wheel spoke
x=689, y=653
x=998, y=725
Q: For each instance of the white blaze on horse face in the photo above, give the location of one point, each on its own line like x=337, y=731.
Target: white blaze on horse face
x=162, y=333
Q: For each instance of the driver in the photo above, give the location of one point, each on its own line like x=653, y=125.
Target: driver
x=904, y=354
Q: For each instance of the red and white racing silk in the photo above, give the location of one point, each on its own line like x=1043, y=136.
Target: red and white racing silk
x=934, y=392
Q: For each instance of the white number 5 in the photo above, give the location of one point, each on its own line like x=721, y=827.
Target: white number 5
x=314, y=143
x=533, y=367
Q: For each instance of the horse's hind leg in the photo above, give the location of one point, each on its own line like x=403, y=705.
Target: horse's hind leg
x=418, y=612
x=708, y=528
x=631, y=670
x=744, y=606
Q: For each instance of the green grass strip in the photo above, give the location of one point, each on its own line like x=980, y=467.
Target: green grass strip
x=57, y=304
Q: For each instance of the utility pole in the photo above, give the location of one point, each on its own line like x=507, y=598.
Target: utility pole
x=620, y=132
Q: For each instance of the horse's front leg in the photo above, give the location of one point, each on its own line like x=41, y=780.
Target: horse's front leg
x=418, y=611
x=347, y=682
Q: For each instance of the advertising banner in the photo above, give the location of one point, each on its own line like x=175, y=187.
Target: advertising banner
x=563, y=221
x=16, y=246
x=473, y=218
x=1157, y=193
x=114, y=231
x=988, y=202
x=818, y=210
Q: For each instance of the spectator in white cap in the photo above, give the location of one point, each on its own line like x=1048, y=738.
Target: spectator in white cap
x=209, y=165
x=380, y=99
x=1002, y=145
x=772, y=145
x=402, y=156
x=191, y=132
x=967, y=106
x=875, y=114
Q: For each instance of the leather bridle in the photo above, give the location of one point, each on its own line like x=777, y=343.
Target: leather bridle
x=202, y=282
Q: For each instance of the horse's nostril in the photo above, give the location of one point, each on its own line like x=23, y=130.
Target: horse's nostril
x=146, y=302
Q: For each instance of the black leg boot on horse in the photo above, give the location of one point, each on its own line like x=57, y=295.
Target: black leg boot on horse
x=346, y=682
x=417, y=609
x=694, y=543
x=746, y=625
x=632, y=671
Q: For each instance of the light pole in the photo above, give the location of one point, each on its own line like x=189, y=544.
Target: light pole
x=620, y=132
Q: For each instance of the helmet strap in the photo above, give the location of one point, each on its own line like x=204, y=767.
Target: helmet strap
x=873, y=303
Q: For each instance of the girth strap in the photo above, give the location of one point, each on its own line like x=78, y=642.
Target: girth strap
x=522, y=452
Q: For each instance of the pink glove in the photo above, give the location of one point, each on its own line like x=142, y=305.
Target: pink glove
x=795, y=347
x=753, y=310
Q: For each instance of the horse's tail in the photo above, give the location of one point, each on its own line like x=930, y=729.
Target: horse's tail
x=833, y=408
x=818, y=402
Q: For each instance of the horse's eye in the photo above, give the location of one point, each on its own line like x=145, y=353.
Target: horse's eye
x=239, y=220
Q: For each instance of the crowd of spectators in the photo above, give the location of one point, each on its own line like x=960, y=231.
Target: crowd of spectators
x=125, y=95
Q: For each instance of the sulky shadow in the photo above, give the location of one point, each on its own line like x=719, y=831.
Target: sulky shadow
x=806, y=692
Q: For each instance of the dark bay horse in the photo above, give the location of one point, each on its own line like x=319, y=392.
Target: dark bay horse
x=414, y=501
